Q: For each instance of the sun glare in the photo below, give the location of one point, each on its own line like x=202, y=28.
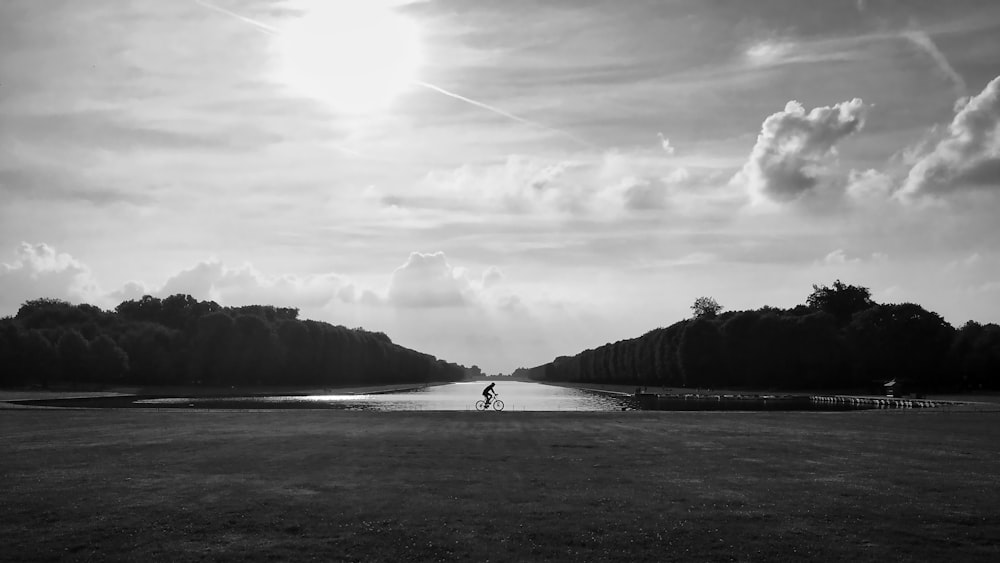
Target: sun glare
x=355, y=55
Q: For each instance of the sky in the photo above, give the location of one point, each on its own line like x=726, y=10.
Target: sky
x=501, y=183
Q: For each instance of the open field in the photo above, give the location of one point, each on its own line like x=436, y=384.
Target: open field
x=344, y=486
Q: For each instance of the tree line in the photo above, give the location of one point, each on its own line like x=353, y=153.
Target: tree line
x=179, y=340
x=839, y=339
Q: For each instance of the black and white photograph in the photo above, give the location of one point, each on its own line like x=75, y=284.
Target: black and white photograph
x=521, y=280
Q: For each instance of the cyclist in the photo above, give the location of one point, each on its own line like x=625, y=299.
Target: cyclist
x=489, y=393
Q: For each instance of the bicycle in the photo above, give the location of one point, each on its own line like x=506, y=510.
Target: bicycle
x=496, y=403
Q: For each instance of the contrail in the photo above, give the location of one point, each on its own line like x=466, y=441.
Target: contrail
x=501, y=112
x=271, y=30
x=922, y=40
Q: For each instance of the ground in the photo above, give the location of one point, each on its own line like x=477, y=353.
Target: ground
x=375, y=486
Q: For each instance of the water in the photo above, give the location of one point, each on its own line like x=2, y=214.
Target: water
x=516, y=395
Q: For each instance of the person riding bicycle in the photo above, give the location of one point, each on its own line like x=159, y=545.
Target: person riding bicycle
x=489, y=393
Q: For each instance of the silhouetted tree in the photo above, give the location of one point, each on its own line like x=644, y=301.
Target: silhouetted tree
x=706, y=307
x=902, y=341
x=11, y=354
x=300, y=359
x=212, y=349
x=109, y=363
x=156, y=355
x=700, y=353
x=74, y=356
x=258, y=351
x=40, y=359
x=975, y=356
x=56, y=313
x=148, y=309
x=841, y=300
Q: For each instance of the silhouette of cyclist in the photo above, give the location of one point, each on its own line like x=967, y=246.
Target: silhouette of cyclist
x=489, y=393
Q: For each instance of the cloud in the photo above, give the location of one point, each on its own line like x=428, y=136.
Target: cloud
x=639, y=194
x=775, y=52
x=769, y=52
x=491, y=277
x=524, y=185
x=793, y=146
x=430, y=281
x=131, y=290
x=869, y=186
x=427, y=280
x=968, y=157
x=28, y=176
x=424, y=280
x=521, y=184
x=245, y=285
x=198, y=281
x=665, y=143
x=968, y=263
x=41, y=271
x=604, y=186
x=839, y=257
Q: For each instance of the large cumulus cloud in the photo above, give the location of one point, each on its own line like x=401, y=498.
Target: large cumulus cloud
x=793, y=146
x=40, y=271
x=427, y=280
x=968, y=157
x=212, y=279
x=605, y=185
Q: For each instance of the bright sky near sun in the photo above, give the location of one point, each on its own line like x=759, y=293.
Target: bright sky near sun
x=499, y=183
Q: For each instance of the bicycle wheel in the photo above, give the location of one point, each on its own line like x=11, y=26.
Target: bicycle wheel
x=480, y=405
x=497, y=405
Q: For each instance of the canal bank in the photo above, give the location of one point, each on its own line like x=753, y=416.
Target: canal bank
x=684, y=399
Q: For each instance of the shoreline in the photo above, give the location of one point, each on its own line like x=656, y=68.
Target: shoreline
x=986, y=396
x=985, y=401
x=9, y=396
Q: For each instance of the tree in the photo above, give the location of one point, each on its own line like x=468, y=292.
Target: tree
x=700, y=354
x=146, y=309
x=41, y=359
x=901, y=341
x=154, y=354
x=212, y=349
x=74, y=355
x=841, y=300
x=56, y=313
x=706, y=307
x=300, y=365
x=975, y=352
x=108, y=361
x=258, y=354
x=474, y=373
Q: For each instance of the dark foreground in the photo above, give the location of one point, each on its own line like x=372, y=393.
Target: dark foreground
x=360, y=486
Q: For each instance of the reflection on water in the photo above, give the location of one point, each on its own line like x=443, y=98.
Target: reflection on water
x=516, y=395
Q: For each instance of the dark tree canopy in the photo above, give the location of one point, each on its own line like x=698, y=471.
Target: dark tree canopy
x=840, y=339
x=706, y=307
x=841, y=300
x=179, y=340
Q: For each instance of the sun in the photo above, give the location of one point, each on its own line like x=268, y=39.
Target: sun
x=357, y=56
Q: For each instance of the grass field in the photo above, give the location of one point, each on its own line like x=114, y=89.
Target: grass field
x=135, y=485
